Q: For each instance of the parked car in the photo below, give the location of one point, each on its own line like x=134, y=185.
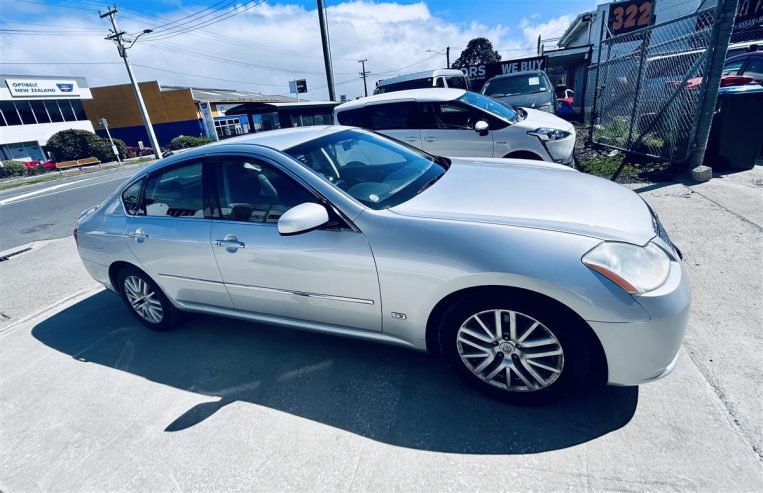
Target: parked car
x=452, y=78
x=527, y=277
x=524, y=89
x=747, y=65
x=458, y=123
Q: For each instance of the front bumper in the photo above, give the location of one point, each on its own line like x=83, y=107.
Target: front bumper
x=640, y=352
x=561, y=150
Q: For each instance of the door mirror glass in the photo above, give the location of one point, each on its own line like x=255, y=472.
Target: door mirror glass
x=302, y=218
x=481, y=127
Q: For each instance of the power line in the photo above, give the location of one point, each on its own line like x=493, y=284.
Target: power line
x=60, y=63
x=205, y=77
x=213, y=20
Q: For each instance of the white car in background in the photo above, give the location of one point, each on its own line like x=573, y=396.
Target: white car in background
x=459, y=123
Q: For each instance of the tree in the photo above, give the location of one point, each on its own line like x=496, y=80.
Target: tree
x=478, y=51
x=68, y=145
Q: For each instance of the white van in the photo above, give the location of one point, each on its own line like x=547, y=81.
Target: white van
x=446, y=77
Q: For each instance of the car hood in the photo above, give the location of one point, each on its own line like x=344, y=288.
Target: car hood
x=533, y=100
x=538, y=119
x=517, y=192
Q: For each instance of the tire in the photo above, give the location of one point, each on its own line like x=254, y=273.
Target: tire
x=157, y=313
x=467, y=348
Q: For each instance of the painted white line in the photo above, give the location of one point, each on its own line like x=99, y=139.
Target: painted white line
x=55, y=190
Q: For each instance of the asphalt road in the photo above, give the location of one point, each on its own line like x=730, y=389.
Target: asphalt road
x=48, y=210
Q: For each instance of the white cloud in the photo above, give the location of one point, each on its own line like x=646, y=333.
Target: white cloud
x=393, y=37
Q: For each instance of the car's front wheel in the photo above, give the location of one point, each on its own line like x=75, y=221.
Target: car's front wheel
x=514, y=348
x=145, y=299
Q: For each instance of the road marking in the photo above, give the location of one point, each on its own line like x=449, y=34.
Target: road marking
x=44, y=192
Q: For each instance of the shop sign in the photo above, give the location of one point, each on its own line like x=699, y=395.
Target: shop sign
x=630, y=15
x=35, y=88
x=749, y=14
x=479, y=74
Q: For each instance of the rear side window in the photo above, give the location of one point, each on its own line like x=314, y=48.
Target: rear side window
x=754, y=69
x=352, y=118
x=176, y=192
x=131, y=198
x=732, y=68
x=392, y=116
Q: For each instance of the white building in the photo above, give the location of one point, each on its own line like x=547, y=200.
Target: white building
x=33, y=108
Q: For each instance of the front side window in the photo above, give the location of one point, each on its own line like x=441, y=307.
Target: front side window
x=250, y=190
x=352, y=118
x=754, y=69
x=176, y=192
x=131, y=198
x=376, y=171
x=732, y=68
x=449, y=116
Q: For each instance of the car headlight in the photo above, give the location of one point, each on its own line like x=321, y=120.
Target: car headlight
x=549, y=133
x=634, y=268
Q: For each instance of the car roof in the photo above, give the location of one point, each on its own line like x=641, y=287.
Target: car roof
x=526, y=72
x=421, y=75
x=435, y=94
x=284, y=138
x=744, y=56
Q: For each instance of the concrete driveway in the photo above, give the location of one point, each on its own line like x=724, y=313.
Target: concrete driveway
x=89, y=400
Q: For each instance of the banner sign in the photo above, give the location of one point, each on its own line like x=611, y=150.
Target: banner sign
x=298, y=86
x=34, y=88
x=209, y=120
x=479, y=74
x=749, y=14
x=630, y=15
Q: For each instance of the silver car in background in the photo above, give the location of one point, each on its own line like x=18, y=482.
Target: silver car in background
x=523, y=90
x=528, y=278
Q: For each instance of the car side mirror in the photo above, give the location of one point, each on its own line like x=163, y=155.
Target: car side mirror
x=302, y=218
x=481, y=127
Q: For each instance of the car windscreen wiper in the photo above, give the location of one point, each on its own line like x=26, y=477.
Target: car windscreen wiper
x=429, y=183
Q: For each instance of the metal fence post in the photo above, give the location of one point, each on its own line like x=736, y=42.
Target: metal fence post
x=596, y=84
x=719, y=43
x=642, y=58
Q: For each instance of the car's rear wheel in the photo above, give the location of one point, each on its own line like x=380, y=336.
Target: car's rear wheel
x=145, y=299
x=514, y=348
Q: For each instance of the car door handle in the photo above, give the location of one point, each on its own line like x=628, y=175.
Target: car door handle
x=138, y=234
x=411, y=138
x=430, y=139
x=230, y=241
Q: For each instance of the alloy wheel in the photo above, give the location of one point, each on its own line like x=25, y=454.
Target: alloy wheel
x=143, y=299
x=510, y=350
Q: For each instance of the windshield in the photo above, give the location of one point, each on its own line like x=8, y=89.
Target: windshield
x=501, y=110
x=518, y=84
x=378, y=172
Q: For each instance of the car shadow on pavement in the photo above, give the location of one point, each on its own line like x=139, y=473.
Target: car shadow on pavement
x=388, y=394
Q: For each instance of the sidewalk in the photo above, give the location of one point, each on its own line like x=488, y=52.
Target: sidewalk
x=19, y=181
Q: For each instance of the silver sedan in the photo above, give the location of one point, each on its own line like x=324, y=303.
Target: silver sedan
x=528, y=278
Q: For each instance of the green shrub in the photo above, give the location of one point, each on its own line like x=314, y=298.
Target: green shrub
x=12, y=168
x=186, y=141
x=68, y=145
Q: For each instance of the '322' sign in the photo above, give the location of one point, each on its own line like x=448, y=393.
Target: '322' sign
x=630, y=15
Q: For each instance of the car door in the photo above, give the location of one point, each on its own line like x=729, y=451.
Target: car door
x=168, y=232
x=327, y=275
x=448, y=130
x=398, y=120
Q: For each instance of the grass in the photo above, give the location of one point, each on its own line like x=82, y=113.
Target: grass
x=621, y=169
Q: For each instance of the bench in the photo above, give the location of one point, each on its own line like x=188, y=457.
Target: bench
x=77, y=164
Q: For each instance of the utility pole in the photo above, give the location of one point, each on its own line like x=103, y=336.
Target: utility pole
x=364, y=74
x=447, y=57
x=719, y=43
x=326, y=50
x=117, y=37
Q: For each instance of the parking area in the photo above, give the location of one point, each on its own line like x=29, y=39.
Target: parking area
x=90, y=400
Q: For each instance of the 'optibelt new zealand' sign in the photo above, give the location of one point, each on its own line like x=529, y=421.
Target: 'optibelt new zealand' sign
x=33, y=88
x=479, y=74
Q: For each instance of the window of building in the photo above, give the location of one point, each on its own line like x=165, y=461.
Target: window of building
x=38, y=107
x=175, y=193
x=79, y=111
x=54, y=111
x=25, y=112
x=66, y=110
x=9, y=113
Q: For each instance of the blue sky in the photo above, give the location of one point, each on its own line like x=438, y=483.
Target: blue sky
x=264, y=46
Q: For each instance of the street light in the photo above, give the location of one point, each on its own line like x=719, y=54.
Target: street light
x=447, y=55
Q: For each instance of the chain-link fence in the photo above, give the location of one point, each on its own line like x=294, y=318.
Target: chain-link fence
x=648, y=87
x=568, y=68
